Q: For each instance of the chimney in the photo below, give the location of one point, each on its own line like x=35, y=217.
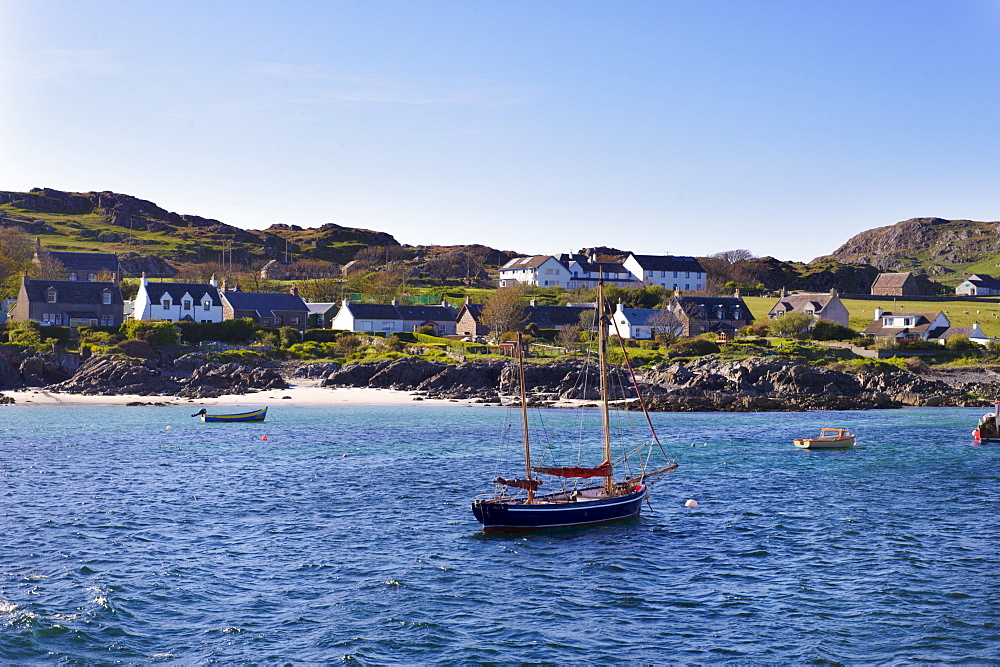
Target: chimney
x=346, y=303
x=395, y=301
x=468, y=299
x=144, y=280
x=784, y=292
x=737, y=294
x=224, y=288
x=833, y=292
x=534, y=301
x=293, y=290
x=878, y=313
x=213, y=282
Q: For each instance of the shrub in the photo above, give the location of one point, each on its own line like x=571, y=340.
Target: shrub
x=693, y=347
x=229, y=331
x=289, y=336
x=321, y=335
x=792, y=325
x=348, y=344
x=426, y=330
x=960, y=342
x=826, y=330
x=139, y=349
x=156, y=333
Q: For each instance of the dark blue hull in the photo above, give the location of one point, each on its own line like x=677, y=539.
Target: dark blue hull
x=513, y=515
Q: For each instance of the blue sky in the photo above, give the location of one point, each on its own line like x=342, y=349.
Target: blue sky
x=660, y=127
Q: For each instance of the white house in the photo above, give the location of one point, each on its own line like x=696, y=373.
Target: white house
x=538, y=270
x=194, y=302
x=642, y=322
x=586, y=273
x=979, y=284
x=393, y=318
x=683, y=274
x=930, y=326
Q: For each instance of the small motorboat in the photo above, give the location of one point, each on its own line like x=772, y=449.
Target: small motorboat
x=986, y=430
x=828, y=438
x=254, y=416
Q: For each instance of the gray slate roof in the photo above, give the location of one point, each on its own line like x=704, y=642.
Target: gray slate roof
x=86, y=261
x=378, y=311
x=178, y=290
x=72, y=291
x=265, y=303
x=668, y=263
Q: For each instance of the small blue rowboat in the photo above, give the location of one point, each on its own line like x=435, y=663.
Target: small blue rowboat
x=255, y=416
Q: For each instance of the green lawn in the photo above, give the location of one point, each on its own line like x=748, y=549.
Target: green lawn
x=959, y=313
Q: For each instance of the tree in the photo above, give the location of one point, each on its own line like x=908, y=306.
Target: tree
x=665, y=326
x=504, y=311
x=385, y=285
x=731, y=266
x=16, y=249
x=321, y=290
x=567, y=336
x=444, y=266
x=791, y=325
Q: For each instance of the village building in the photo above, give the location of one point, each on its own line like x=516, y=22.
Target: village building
x=83, y=266
x=710, y=314
x=269, y=310
x=469, y=321
x=822, y=306
x=680, y=274
x=895, y=284
x=394, y=318
x=537, y=270
x=178, y=302
x=321, y=314
x=69, y=303
x=907, y=326
x=588, y=272
x=979, y=284
x=643, y=323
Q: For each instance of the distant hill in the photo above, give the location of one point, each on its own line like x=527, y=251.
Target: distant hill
x=137, y=229
x=945, y=250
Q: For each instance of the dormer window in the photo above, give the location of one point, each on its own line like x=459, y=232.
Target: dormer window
x=187, y=304
x=50, y=295
x=72, y=276
x=106, y=298
x=166, y=304
x=91, y=277
x=208, y=305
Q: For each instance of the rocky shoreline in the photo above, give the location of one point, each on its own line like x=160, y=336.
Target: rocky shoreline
x=704, y=384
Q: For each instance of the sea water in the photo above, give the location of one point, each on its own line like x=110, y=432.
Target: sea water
x=137, y=534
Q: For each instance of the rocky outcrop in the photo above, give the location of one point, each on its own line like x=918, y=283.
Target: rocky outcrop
x=110, y=376
x=35, y=369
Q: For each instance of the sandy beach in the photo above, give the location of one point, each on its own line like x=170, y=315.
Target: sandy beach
x=301, y=393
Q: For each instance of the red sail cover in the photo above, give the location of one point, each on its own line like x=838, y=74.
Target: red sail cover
x=603, y=470
x=529, y=484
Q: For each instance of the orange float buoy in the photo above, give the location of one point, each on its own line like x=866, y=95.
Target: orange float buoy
x=263, y=437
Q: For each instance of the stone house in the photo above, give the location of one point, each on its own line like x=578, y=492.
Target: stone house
x=895, y=284
x=69, y=303
x=83, y=266
x=822, y=306
x=711, y=314
x=269, y=310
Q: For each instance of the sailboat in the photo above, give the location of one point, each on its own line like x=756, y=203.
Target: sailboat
x=516, y=506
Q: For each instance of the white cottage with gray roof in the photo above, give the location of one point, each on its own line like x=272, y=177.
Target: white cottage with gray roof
x=176, y=302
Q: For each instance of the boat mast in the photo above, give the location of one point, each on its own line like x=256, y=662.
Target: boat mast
x=524, y=416
x=602, y=344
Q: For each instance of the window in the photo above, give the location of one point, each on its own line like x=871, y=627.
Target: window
x=72, y=276
x=278, y=321
x=106, y=298
x=687, y=274
x=166, y=304
x=266, y=322
x=675, y=274
x=686, y=287
x=187, y=304
x=57, y=319
x=295, y=321
x=208, y=305
x=91, y=277
x=50, y=295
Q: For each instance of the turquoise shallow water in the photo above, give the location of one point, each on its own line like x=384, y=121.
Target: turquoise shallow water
x=128, y=541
